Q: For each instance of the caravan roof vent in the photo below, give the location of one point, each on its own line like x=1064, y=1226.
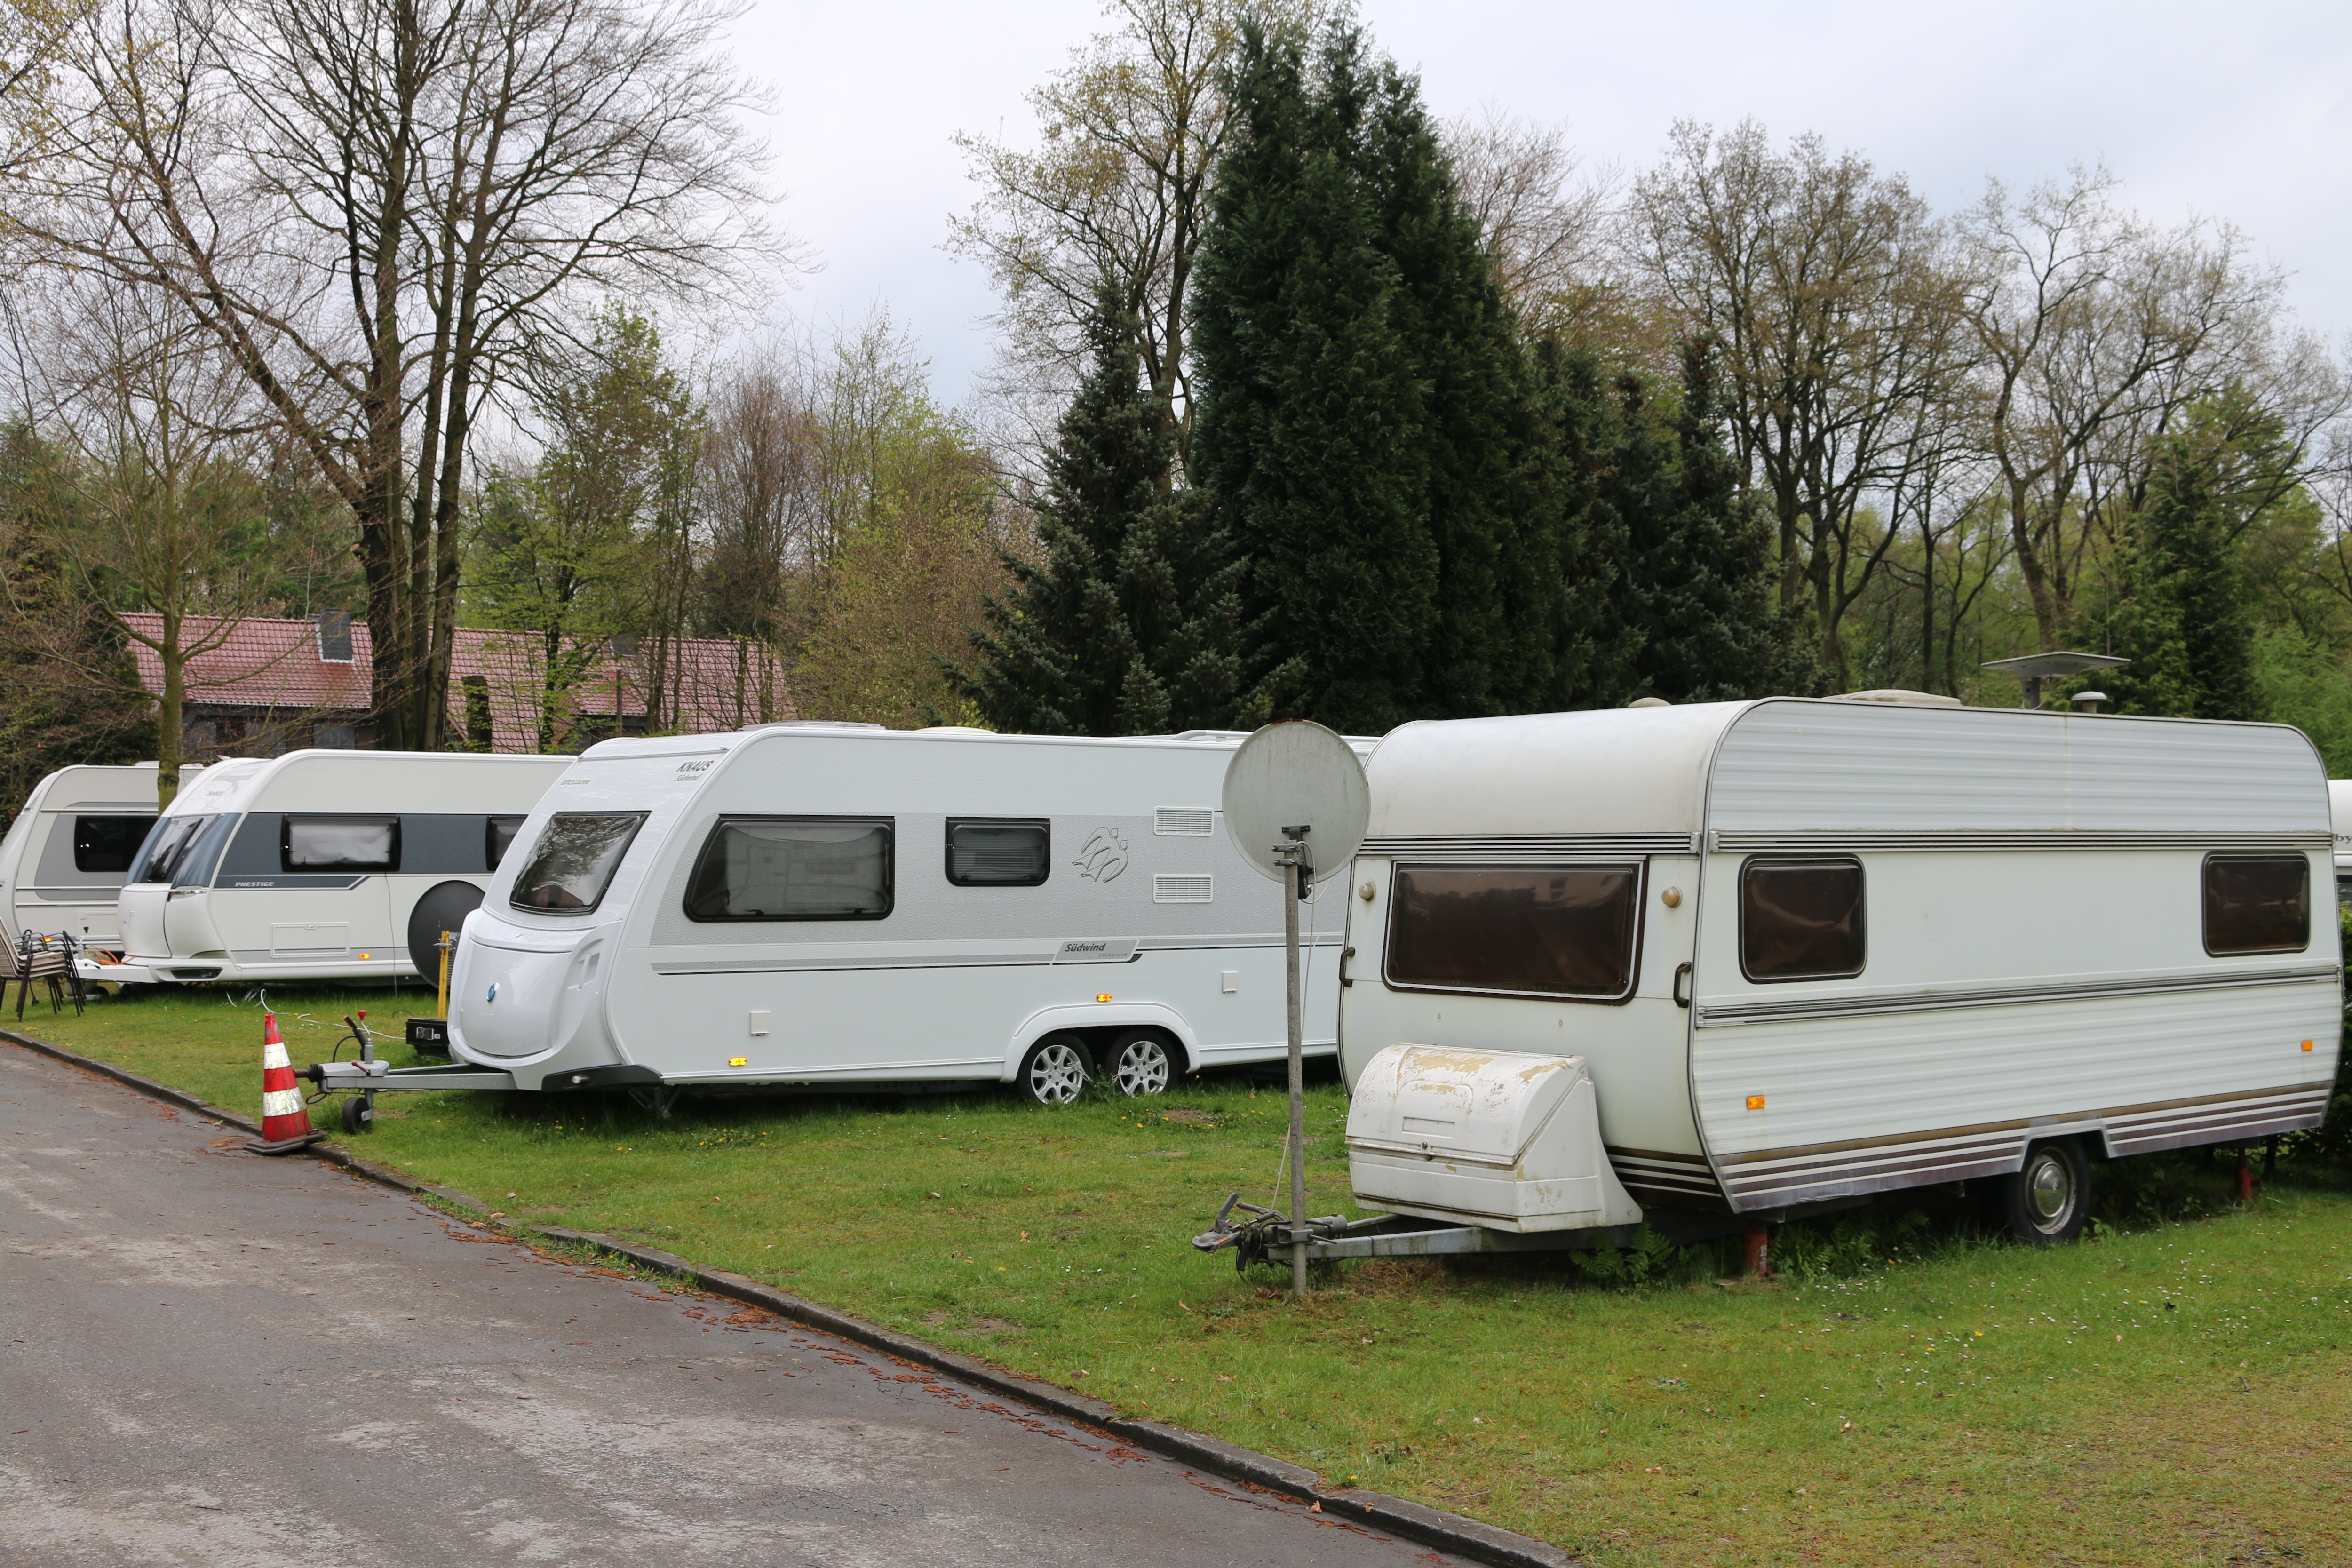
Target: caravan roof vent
x=1900, y=697
x=812, y=724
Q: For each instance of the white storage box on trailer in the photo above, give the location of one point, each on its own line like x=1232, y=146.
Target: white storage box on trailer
x=1501, y=1139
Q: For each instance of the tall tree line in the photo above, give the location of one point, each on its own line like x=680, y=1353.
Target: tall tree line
x=1427, y=507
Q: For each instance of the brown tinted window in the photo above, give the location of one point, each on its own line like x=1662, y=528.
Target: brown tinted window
x=2257, y=903
x=1800, y=920
x=1562, y=932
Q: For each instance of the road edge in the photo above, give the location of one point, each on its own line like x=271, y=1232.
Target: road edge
x=1429, y=1526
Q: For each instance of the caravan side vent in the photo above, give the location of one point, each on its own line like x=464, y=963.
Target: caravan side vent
x=1183, y=822
x=1168, y=890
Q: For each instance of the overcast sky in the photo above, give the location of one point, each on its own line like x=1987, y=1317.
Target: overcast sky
x=2238, y=111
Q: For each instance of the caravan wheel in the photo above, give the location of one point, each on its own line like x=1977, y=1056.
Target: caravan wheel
x=1055, y=1070
x=1141, y=1063
x=2050, y=1197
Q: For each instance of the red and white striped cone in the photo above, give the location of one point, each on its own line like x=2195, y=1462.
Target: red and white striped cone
x=284, y=1125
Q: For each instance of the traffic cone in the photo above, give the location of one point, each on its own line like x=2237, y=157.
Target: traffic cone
x=284, y=1125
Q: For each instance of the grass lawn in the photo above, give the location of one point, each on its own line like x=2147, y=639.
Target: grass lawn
x=2176, y=1391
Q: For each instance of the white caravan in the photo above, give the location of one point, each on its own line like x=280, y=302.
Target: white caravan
x=64, y=857
x=835, y=904
x=319, y=865
x=1800, y=951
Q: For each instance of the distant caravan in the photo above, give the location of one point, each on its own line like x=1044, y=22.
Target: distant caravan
x=825, y=904
x=1799, y=951
x=64, y=856
x=319, y=865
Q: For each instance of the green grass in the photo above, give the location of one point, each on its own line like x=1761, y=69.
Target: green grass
x=2176, y=1391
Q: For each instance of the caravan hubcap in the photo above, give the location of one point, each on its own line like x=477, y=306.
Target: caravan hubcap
x=1058, y=1077
x=2050, y=1188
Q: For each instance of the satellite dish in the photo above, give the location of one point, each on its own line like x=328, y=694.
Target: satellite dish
x=1290, y=776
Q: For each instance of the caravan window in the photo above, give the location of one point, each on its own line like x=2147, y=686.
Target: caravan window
x=1548, y=930
x=793, y=868
x=167, y=845
x=1800, y=920
x=104, y=844
x=998, y=854
x=575, y=859
x=340, y=844
x=497, y=837
x=2257, y=903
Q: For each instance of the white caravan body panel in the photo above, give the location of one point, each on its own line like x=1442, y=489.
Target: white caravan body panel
x=1146, y=917
x=231, y=885
x=63, y=859
x=2033, y=902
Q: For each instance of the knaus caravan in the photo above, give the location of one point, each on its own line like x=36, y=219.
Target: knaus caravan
x=1786, y=953
x=319, y=865
x=64, y=856
x=820, y=904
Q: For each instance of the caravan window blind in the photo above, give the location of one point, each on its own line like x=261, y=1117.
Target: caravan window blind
x=2257, y=903
x=574, y=861
x=1548, y=930
x=339, y=843
x=1800, y=920
x=793, y=868
x=998, y=854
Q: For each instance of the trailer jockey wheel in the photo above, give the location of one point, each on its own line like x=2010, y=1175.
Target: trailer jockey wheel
x=1141, y=1063
x=359, y=1112
x=1055, y=1070
x=2050, y=1197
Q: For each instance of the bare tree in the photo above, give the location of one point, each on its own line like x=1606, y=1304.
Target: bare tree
x=1114, y=195
x=2097, y=333
x=1830, y=288
x=385, y=210
x=1547, y=231
x=171, y=447
x=33, y=36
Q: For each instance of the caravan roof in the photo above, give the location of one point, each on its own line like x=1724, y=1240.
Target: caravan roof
x=330, y=780
x=1797, y=764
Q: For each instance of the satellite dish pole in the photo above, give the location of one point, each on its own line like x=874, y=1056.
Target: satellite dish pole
x=1285, y=782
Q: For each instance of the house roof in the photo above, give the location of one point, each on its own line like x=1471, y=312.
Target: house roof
x=275, y=666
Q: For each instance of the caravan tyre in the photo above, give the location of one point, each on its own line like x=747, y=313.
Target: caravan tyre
x=1141, y=1062
x=2048, y=1200
x=1055, y=1070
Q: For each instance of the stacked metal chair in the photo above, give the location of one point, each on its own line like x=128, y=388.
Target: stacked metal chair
x=50, y=958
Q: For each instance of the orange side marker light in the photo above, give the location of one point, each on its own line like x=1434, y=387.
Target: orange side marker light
x=1755, y=1102
x=1102, y=995
x=2307, y=1045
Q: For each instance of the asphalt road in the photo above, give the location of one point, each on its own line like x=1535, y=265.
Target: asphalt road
x=214, y=1358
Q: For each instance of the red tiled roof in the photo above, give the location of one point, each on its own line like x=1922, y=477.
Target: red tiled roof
x=711, y=683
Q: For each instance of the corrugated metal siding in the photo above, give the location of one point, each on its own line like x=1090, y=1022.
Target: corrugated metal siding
x=1837, y=767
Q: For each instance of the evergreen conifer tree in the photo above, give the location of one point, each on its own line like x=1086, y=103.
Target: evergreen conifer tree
x=1308, y=437
x=1365, y=427
x=1131, y=622
x=1697, y=589
x=2185, y=626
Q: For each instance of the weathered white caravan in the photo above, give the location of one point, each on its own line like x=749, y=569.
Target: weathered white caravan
x=823, y=904
x=64, y=857
x=319, y=865
x=1806, y=950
